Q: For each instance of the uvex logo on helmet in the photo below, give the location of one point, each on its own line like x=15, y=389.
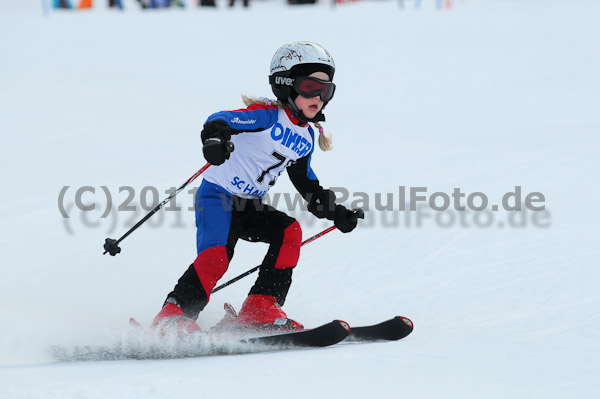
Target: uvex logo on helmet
x=282, y=80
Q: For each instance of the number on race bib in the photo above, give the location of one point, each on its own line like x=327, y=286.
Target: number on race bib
x=281, y=160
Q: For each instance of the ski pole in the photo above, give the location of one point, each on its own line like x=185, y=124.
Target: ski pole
x=112, y=246
x=359, y=215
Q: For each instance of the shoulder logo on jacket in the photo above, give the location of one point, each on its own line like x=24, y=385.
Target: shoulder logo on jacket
x=239, y=121
x=291, y=139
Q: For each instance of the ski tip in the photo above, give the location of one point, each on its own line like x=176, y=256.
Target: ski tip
x=344, y=324
x=134, y=323
x=403, y=327
x=406, y=321
x=230, y=310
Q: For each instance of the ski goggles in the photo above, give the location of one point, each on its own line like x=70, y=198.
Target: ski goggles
x=311, y=87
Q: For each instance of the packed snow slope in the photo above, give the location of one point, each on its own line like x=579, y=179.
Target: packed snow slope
x=484, y=97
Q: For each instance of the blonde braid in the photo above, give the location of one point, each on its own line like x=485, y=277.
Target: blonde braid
x=262, y=101
x=325, y=142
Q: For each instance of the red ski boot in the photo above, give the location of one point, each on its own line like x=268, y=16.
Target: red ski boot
x=263, y=312
x=171, y=318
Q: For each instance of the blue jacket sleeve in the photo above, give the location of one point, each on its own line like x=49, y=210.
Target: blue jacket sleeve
x=252, y=119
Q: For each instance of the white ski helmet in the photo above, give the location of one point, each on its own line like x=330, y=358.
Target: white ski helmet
x=297, y=59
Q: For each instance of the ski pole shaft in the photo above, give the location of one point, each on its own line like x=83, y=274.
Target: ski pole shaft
x=233, y=280
x=241, y=276
x=112, y=245
x=321, y=234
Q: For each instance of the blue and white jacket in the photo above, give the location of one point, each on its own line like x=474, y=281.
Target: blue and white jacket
x=267, y=141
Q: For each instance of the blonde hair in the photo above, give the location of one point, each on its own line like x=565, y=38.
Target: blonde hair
x=325, y=142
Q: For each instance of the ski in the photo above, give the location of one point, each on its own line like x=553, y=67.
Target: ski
x=390, y=330
x=325, y=335
x=140, y=347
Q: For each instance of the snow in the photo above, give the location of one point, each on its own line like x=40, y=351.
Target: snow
x=486, y=96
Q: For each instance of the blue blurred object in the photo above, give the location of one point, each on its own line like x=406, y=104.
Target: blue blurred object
x=45, y=8
x=62, y=4
x=165, y=3
x=115, y=3
x=159, y=3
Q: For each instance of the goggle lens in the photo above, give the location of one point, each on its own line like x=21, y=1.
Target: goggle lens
x=311, y=87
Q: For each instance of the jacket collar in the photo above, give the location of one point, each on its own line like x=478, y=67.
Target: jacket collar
x=293, y=119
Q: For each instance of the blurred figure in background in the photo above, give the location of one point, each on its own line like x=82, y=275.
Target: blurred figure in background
x=62, y=4
x=245, y=2
x=85, y=4
x=114, y=4
x=294, y=2
x=159, y=3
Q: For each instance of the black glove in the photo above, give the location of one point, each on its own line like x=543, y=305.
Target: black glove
x=217, y=147
x=346, y=220
x=322, y=205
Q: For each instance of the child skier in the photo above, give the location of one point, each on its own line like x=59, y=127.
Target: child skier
x=268, y=138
